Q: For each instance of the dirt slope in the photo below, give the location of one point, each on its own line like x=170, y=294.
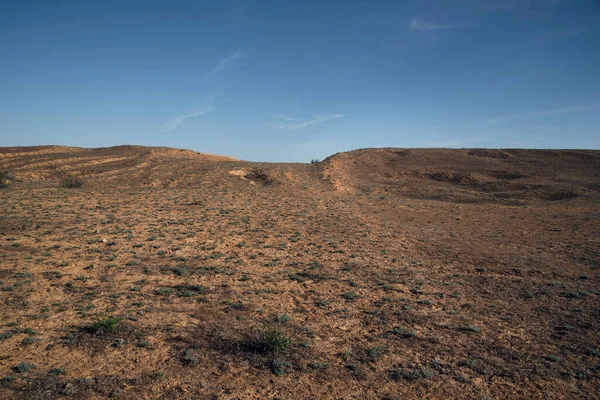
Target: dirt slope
x=507, y=176
x=377, y=273
x=115, y=166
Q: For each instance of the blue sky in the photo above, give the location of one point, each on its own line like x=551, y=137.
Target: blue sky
x=295, y=80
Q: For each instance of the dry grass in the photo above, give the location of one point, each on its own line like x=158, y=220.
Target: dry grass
x=343, y=280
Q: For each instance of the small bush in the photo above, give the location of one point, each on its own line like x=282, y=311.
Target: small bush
x=23, y=367
x=315, y=161
x=350, y=296
x=376, y=353
x=106, y=325
x=272, y=341
x=403, y=332
x=71, y=182
x=190, y=358
x=411, y=374
x=5, y=178
x=28, y=340
x=57, y=371
x=281, y=367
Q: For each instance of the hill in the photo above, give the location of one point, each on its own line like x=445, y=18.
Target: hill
x=376, y=273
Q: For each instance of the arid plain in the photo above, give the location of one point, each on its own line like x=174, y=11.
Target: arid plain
x=377, y=273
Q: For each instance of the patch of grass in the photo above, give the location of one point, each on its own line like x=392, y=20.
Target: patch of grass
x=322, y=302
x=282, y=318
x=164, y=291
x=106, y=325
x=280, y=367
x=236, y=305
x=57, y=371
x=272, y=341
x=28, y=340
x=297, y=277
x=578, y=294
x=190, y=358
x=404, y=332
x=411, y=374
x=23, y=367
x=470, y=363
x=376, y=353
x=71, y=182
x=321, y=366
x=350, y=296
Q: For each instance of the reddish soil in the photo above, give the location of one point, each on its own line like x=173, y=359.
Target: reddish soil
x=376, y=273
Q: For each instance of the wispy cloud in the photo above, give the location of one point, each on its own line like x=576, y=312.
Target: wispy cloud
x=223, y=63
x=416, y=24
x=281, y=121
x=179, y=119
x=548, y=113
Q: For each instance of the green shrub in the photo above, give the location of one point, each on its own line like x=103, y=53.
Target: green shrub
x=23, y=367
x=106, y=325
x=272, y=341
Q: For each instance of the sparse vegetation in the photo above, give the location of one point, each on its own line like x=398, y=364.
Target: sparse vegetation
x=411, y=374
x=71, y=182
x=23, y=367
x=350, y=296
x=272, y=341
x=6, y=178
x=306, y=288
x=105, y=325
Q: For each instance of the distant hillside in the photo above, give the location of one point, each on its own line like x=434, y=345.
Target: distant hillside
x=467, y=175
x=120, y=165
x=455, y=175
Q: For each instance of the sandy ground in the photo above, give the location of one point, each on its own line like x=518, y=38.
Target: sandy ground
x=378, y=273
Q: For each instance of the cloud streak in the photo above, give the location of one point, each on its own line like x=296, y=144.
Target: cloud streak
x=224, y=63
x=281, y=121
x=416, y=24
x=180, y=119
x=548, y=113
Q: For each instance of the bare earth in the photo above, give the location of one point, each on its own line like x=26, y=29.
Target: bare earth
x=377, y=273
